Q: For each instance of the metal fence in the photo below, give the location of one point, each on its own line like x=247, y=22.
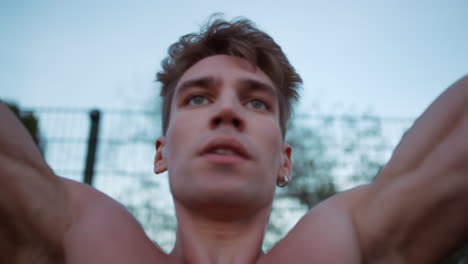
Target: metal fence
x=124, y=142
x=116, y=148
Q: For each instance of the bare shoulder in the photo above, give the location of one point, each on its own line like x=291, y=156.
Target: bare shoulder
x=326, y=234
x=103, y=231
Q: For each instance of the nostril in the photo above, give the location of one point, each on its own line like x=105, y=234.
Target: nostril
x=228, y=120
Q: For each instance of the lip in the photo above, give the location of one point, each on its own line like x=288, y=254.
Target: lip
x=228, y=142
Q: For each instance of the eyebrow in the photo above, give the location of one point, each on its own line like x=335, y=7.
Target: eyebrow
x=255, y=85
x=205, y=82
x=211, y=82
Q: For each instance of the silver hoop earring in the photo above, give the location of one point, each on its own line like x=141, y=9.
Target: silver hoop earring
x=282, y=183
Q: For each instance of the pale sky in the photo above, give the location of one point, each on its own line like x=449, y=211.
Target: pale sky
x=391, y=57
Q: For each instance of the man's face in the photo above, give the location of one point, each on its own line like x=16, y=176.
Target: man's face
x=224, y=146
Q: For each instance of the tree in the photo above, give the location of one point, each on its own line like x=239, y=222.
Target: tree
x=321, y=155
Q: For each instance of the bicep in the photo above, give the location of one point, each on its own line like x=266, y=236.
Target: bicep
x=33, y=203
x=416, y=208
x=438, y=140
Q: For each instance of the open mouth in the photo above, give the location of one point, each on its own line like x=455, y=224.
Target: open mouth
x=225, y=149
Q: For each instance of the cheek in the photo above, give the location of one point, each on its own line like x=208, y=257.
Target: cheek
x=177, y=137
x=177, y=140
x=272, y=144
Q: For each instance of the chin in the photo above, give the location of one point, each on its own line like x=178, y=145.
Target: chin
x=221, y=200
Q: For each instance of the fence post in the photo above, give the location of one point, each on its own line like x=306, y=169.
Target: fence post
x=94, y=116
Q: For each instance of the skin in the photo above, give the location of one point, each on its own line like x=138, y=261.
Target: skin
x=414, y=212
x=223, y=204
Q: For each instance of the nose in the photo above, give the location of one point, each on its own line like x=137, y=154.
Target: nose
x=228, y=114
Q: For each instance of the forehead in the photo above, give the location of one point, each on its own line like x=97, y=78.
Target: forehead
x=225, y=68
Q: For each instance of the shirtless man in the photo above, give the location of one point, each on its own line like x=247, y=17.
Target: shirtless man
x=227, y=94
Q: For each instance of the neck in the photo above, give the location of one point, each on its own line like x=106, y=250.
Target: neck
x=201, y=239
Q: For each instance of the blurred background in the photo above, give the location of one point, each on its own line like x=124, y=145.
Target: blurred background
x=80, y=75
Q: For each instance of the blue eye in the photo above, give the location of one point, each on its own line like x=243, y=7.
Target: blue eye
x=198, y=100
x=256, y=104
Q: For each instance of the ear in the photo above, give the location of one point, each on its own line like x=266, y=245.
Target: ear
x=160, y=164
x=286, y=163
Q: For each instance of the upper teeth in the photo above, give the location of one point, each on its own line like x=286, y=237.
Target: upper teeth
x=223, y=151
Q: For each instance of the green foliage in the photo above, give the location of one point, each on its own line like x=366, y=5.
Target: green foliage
x=312, y=179
x=323, y=148
x=365, y=143
x=329, y=146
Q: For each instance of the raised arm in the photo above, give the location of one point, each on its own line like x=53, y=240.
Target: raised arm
x=48, y=219
x=34, y=211
x=416, y=211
